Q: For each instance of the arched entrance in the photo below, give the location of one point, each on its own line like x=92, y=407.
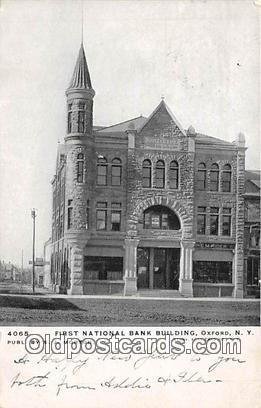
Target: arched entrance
x=158, y=262
x=165, y=224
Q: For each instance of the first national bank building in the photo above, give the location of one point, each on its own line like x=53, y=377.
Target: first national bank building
x=145, y=204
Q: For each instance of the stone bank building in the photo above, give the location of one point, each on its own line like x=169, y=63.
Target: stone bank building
x=145, y=205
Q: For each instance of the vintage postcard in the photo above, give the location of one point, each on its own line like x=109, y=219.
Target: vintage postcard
x=130, y=202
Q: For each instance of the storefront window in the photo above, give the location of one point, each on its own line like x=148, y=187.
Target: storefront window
x=212, y=272
x=253, y=271
x=103, y=268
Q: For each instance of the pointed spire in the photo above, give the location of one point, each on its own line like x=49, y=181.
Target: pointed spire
x=81, y=77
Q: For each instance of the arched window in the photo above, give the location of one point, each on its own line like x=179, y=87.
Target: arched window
x=201, y=176
x=102, y=171
x=160, y=174
x=80, y=159
x=226, y=178
x=160, y=217
x=116, y=170
x=174, y=175
x=214, y=177
x=146, y=173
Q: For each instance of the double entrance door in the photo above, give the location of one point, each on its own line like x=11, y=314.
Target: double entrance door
x=158, y=268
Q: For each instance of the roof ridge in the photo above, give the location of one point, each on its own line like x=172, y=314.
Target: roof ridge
x=121, y=123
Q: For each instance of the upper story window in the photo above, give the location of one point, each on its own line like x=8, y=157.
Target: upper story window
x=214, y=177
x=146, y=173
x=214, y=220
x=69, y=118
x=201, y=176
x=69, y=214
x=81, y=120
x=102, y=171
x=226, y=178
x=81, y=105
x=116, y=172
x=101, y=216
x=160, y=174
x=174, y=175
x=88, y=214
x=160, y=217
x=254, y=236
x=115, y=216
x=226, y=221
x=80, y=161
x=201, y=220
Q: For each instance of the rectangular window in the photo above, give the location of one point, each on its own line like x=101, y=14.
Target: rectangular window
x=69, y=124
x=102, y=175
x=115, y=216
x=101, y=216
x=214, y=218
x=214, y=180
x=103, y=268
x=173, y=178
x=115, y=175
x=160, y=177
x=81, y=115
x=80, y=171
x=69, y=214
x=146, y=177
x=201, y=180
x=253, y=271
x=155, y=220
x=201, y=221
x=81, y=105
x=165, y=221
x=212, y=271
x=226, y=182
x=226, y=222
x=147, y=220
x=88, y=214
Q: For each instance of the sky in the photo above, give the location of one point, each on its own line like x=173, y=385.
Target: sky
x=202, y=56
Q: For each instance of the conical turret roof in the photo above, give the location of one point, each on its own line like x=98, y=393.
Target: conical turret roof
x=81, y=76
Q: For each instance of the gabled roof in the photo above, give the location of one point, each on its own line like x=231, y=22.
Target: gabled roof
x=252, y=181
x=81, y=77
x=163, y=106
x=210, y=140
x=131, y=124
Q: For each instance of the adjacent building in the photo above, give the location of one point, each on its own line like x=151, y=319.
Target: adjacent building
x=146, y=204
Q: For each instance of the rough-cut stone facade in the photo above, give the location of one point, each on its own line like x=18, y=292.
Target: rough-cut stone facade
x=77, y=243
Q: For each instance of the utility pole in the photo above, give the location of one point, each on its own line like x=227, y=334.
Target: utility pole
x=33, y=213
